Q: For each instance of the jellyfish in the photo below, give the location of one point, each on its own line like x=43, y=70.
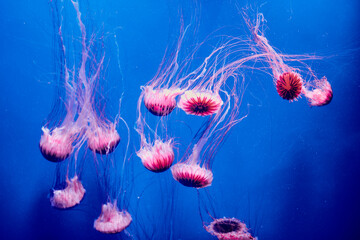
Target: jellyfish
x=200, y=103
x=289, y=81
x=321, y=94
x=289, y=85
x=70, y=196
x=160, y=92
x=201, y=95
x=111, y=219
x=56, y=144
x=223, y=228
x=102, y=136
x=158, y=157
x=160, y=102
x=229, y=228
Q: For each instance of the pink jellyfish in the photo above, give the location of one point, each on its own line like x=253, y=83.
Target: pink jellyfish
x=158, y=157
x=160, y=92
x=321, y=93
x=288, y=80
x=111, y=219
x=200, y=103
x=70, y=196
x=201, y=93
x=229, y=229
x=223, y=228
x=160, y=102
x=56, y=143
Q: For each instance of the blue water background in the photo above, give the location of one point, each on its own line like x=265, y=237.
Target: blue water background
x=289, y=171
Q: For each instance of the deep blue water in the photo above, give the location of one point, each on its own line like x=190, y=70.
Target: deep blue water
x=287, y=170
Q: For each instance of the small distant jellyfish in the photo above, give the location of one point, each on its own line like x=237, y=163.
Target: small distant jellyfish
x=321, y=95
x=111, y=219
x=229, y=229
x=56, y=145
x=289, y=85
x=70, y=196
x=158, y=157
x=200, y=103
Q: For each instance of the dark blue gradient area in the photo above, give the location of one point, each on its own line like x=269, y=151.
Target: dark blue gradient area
x=289, y=171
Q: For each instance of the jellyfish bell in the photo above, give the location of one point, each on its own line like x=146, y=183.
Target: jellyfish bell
x=103, y=140
x=321, y=95
x=192, y=175
x=200, y=103
x=70, y=196
x=56, y=145
x=157, y=157
x=160, y=102
x=289, y=85
x=111, y=219
x=229, y=229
